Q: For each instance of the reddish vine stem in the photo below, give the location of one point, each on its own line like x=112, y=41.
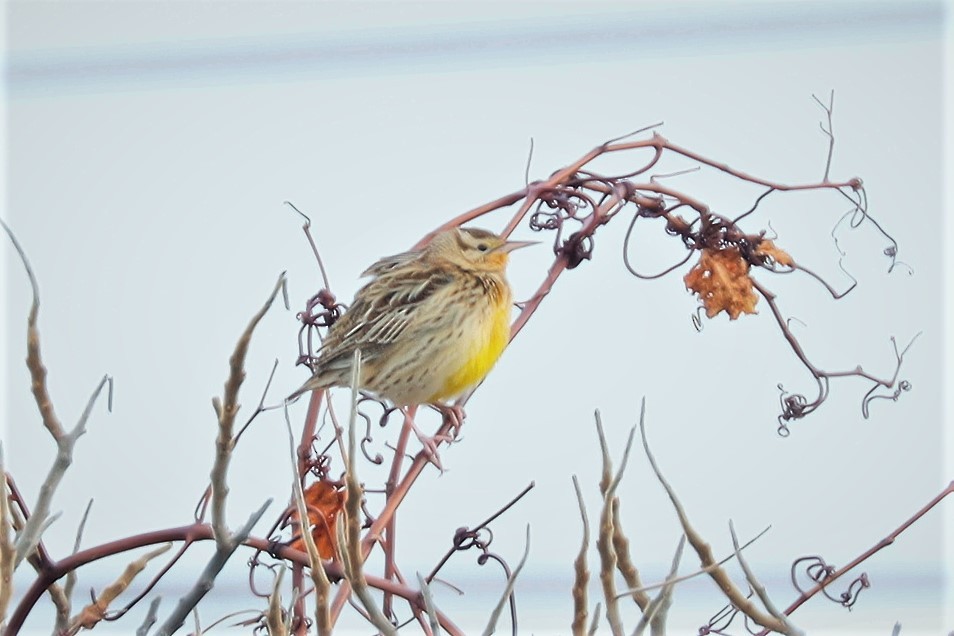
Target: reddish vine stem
x=192, y=533
x=867, y=554
x=531, y=195
x=390, y=567
x=40, y=553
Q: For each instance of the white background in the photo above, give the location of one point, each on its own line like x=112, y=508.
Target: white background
x=149, y=148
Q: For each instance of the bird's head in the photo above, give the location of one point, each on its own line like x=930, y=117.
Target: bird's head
x=474, y=249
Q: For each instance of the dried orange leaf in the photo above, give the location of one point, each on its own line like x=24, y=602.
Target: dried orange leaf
x=767, y=248
x=721, y=280
x=324, y=499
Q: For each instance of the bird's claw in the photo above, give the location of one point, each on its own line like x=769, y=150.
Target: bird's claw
x=454, y=418
x=430, y=445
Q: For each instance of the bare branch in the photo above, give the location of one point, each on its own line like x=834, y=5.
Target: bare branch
x=150, y=618
x=759, y=588
x=604, y=541
x=700, y=571
x=7, y=547
x=34, y=360
x=223, y=552
x=32, y=531
x=596, y=619
x=63, y=619
x=624, y=562
x=274, y=622
x=582, y=574
x=433, y=622
x=704, y=550
x=225, y=410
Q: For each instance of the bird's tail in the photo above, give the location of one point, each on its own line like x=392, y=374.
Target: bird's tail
x=310, y=384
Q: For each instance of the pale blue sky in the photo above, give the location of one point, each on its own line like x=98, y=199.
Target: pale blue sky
x=150, y=147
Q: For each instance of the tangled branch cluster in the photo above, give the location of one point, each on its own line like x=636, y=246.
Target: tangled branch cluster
x=334, y=521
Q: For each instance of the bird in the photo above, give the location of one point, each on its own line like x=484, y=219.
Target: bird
x=430, y=323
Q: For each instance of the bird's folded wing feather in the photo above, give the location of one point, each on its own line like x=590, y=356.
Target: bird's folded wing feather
x=383, y=310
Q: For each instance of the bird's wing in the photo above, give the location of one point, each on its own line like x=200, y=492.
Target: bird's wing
x=390, y=263
x=382, y=311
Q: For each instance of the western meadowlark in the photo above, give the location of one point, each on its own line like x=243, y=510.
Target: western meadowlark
x=430, y=324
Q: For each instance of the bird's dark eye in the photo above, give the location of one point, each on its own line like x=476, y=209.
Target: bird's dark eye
x=483, y=247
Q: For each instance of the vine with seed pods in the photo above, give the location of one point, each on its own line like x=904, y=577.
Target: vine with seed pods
x=334, y=521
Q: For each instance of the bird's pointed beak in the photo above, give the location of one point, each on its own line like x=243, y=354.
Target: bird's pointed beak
x=510, y=246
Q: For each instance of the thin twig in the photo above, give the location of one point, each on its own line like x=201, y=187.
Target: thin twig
x=306, y=228
x=829, y=132
x=759, y=589
x=596, y=619
x=655, y=615
x=150, y=618
x=32, y=532
x=34, y=360
x=319, y=577
x=700, y=571
x=429, y=607
x=350, y=538
x=223, y=552
x=274, y=622
x=703, y=549
x=508, y=590
x=62, y=622
x=880, y=545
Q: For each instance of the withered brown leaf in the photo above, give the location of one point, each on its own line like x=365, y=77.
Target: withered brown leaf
x=721, y=280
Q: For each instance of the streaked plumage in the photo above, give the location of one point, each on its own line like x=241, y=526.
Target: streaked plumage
x=430, y=324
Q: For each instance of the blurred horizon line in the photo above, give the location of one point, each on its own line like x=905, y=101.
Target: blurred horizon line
x=452, y=46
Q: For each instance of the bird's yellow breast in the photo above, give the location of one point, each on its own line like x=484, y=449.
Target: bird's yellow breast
x=482, y=352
